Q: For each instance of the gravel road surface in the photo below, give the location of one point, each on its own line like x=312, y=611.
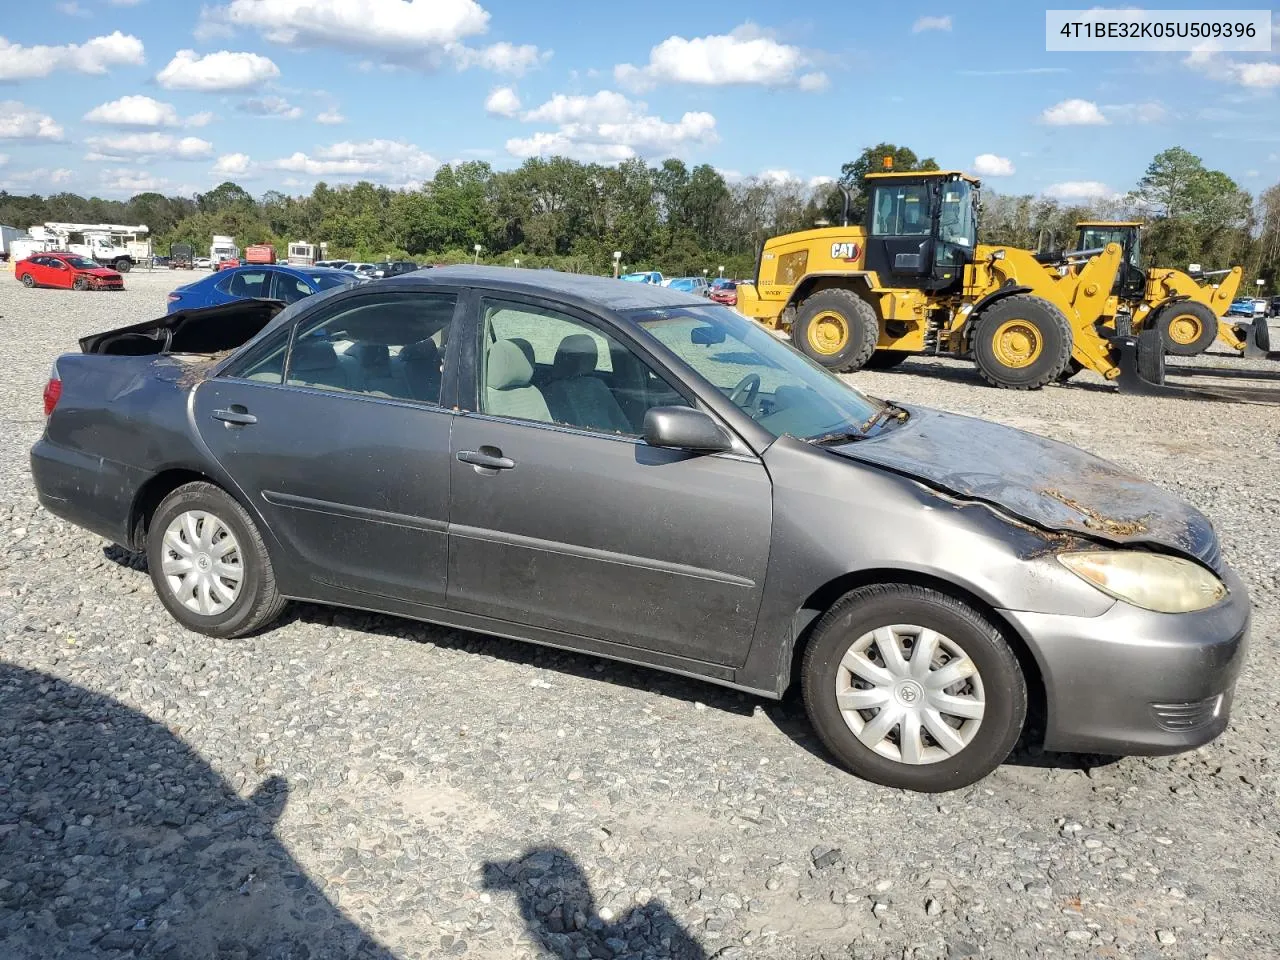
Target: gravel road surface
x=350, y=785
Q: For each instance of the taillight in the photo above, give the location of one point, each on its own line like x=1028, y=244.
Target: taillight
x=52, y=391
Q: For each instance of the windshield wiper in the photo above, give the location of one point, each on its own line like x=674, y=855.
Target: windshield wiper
x=890, y=411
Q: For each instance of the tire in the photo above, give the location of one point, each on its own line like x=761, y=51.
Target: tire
x=79, y=283
x=123, y=266
x=28, y=280
x=828, y=313
x=998, y=684
x=1263, y=335
x=1021, y=343
x=255, y=603
x=1073, y=367
x=886, y=359
x=1187, y=329
x=1151, y=356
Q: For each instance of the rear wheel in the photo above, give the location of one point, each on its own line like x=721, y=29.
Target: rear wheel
x=1021, y=343
x=912, y=688
x=28, y=280
x=837, y=328
x=1187, y=329
x=124, y=266
x=209, y=565
x=886, y=359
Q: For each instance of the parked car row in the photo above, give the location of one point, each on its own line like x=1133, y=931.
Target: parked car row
x=274, y=282
x=70, y=271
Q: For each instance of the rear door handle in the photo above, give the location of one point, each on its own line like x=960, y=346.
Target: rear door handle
x=478, y=458
x=236, y=415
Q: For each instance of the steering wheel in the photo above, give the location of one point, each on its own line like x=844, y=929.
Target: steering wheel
x=745, y=393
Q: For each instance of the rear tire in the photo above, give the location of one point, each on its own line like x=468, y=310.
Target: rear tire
x=886, y=359
x=1187, y=329
x=836, y=328
x=28, y=280
x=200, y=534
x=1021, y=343
x=123, y=266
x=944, y=735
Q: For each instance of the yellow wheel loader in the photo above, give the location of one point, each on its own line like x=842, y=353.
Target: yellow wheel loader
x=1188, y=309
x=913, y=279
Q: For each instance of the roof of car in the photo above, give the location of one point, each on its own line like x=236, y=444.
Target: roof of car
x=582, y=287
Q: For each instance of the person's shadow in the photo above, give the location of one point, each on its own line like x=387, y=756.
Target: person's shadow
x=118, y=840
x=560, y=911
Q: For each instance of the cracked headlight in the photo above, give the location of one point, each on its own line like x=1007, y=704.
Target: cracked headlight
x=1148, y=580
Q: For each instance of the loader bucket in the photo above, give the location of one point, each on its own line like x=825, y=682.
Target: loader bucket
x=1142, y=373
x=1257, y=340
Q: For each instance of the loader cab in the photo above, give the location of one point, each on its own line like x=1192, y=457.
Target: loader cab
x=922, y=228
x=1131, y=281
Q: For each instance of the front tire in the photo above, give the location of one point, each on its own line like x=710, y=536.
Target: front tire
x=886, y=359
x=837, y=328
x=209, y=565
x=1021, y=343
x=80, y=283
x=911, y=688
x=28, y=280
x=1187, y=329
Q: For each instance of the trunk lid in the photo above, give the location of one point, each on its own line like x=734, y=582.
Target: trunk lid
x=204, y=330
x=1049, y=484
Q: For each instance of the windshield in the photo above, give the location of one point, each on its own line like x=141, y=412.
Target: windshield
x=81, y=263
x=775, y=385
x=327, y=279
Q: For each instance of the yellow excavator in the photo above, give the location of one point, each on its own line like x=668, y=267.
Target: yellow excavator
x=913, y=279
x=1188, y=309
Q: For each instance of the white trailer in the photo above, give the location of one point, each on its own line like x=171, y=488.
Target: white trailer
x=117, y=245
x=7, y=236
x=223, y=248
x=23, y=247
x=302, y=254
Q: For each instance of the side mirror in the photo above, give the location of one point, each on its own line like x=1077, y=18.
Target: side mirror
x=683, y=428
x=706, y=335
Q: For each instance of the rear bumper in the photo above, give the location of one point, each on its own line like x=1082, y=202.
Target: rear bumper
x=91, y=492
x=1136, y=682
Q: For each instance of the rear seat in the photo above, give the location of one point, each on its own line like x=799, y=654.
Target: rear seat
x=316, y=364
x=375, y=372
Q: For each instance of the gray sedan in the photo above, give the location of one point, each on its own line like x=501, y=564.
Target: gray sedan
x=633, y=472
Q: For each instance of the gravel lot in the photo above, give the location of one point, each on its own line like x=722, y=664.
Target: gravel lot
x=349, y=785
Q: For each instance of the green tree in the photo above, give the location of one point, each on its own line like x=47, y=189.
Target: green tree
x=853, y=175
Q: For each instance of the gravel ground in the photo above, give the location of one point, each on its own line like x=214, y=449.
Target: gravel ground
x=350, y=785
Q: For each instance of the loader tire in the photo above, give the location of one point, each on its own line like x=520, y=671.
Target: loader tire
x=1151, y=356
x=836, y=328
x=886, y=359
x=1263, y=334
x=1187, y=329
x=1021, y=343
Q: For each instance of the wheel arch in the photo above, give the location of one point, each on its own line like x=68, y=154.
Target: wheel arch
x=824, y=597
x=995, y=296
x=857, y=282
x=153, y=492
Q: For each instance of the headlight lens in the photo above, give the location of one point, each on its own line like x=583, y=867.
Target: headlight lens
x=1148, y=580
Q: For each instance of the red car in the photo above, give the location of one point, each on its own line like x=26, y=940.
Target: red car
x=67, y=270
x=725, y=291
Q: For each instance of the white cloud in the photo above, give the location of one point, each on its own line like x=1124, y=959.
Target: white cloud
x=392, y=162
x=820, y=181
x=1073, y=112
x=202, y=119
x=1078, y=190
x=71, y=9
x=94, y=56
x=745, y=56
x=419, y=33
x=270, y=106
x=37, y=180
x=20, y=122
x=232, y=165
x=931, y=23
x=1209, y=60
x=990, y=165
x=124, y=3
x=134, y=111
x=502, y=102
x=147, y=146
x=1152, y=111
x=606, y=127
x=777, y=176
x=128, y=181
x=331, y=116
x=219, y=71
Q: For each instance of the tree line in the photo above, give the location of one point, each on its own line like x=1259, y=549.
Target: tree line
x=671, y=217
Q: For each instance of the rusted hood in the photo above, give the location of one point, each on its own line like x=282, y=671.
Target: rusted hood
x=1052, y=485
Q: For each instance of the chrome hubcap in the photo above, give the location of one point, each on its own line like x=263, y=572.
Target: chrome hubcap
x=910, y=693
x=202, y=564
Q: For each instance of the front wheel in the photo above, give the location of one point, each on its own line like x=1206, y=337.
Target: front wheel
x=1021, y=343
x=209, y=565
x=911, y=688
x=80, y=283
x=28, y=280
x=1188, y=329
x=837, y=328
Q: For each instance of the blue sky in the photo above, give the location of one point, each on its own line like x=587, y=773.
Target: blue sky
x=112, y=97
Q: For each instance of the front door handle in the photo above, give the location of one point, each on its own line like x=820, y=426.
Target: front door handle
x=235, y=415
x=489, y=461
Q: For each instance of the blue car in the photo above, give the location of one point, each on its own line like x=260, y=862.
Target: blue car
x=261, y=282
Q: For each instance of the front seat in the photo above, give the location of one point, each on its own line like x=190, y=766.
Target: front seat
x=508, y=389
x=420, y=363
x=576, y=395
x=315, y=364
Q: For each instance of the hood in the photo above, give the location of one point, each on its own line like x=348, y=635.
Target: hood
x=1049, y=484
x=97, y=271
